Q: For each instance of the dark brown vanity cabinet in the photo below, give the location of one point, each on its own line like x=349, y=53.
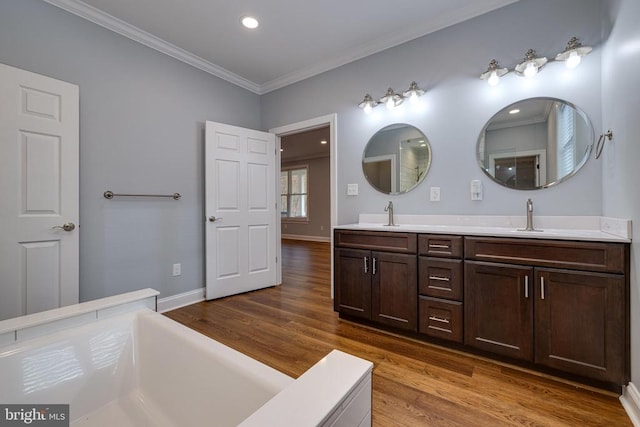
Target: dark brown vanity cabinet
x=560, y=304
x=375, y=277
x=440, y=286
x=499, y=309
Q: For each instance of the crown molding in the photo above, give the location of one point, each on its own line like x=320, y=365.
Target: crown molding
x=118, y=26
x=90, y=13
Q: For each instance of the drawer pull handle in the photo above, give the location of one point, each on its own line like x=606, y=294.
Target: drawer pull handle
x=439, y=278
x=439, y=288
x=526, y=286
x=541, y=287
x=366, y=264
x=374, y=265
x=436, y=246
x=438, y=319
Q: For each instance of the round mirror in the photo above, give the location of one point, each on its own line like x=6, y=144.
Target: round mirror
x=396, y=159
x=535, y=143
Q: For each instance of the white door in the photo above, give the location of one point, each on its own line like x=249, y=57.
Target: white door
x=39, y=145
x=240, y=208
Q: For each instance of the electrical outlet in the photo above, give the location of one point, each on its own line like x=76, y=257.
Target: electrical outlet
x=352, y=189
x=435, y=194
x=177, y=270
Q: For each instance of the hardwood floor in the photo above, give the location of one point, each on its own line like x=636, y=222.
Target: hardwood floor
x=292, y=326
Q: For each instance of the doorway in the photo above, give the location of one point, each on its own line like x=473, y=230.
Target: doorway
x=305, y=199
x=328, y=122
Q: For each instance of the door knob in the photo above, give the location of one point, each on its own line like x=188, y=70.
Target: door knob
x=69, y=226
x=214, y=219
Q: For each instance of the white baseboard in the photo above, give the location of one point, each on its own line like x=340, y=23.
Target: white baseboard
x=306, y=238
x=630, y=400
x=180, y=300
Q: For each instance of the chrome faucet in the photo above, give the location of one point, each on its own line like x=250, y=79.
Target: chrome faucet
x=389, y=208
x=529, y=216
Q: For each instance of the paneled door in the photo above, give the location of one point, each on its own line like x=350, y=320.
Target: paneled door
x=39, y=149
x=240, y=210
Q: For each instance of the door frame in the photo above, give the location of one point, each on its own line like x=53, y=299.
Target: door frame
x=305, y=125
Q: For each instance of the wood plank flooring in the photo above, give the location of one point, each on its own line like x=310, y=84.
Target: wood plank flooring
x=292, y=326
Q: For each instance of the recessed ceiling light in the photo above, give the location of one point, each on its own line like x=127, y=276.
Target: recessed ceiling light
x=250, y=22
x=323, y=142
x=514, y=111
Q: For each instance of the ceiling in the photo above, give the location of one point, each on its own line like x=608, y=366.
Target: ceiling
x=305, y=145
x=529, y=111
x=296, y=39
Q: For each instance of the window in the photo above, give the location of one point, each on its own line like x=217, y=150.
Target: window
x=294, y=197
x=566, y=140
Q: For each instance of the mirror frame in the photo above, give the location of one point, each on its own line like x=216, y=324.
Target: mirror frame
x=575, y=170
x=426, y=171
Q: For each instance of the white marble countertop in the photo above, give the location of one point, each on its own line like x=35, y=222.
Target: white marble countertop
x=587, y=228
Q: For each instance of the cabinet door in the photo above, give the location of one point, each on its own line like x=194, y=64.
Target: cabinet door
x=498, y=301
x=580, y=323
x=352, y=282
x=395, y=290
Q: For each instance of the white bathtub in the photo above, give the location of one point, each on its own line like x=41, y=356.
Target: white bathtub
x=118, y=362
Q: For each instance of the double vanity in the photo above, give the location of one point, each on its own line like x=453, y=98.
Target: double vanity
x=553, y=295
x=555, y=300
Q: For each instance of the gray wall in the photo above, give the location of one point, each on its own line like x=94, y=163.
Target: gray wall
x=456, y=106
x=620, y=112
x=141, y=131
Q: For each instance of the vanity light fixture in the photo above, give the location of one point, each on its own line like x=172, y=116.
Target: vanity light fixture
x=391, y=99
x=573, y=53
x=367, y=104
x=531, y=64
x=413, y=93
x=493, y=73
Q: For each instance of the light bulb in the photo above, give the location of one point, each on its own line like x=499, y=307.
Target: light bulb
x=494, y=79
x=391, y=103
x=531, y=69
x=368, y=108
x=573, y=60
x=413, y=99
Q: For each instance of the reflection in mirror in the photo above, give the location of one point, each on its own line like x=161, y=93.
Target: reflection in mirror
x=535, y=143
x=396, y=159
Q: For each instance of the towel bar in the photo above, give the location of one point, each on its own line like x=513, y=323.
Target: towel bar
x=110, y=195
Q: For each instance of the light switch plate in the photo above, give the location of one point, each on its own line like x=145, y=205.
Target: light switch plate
x=476, y=189
x=435, y=194
x=352, y=189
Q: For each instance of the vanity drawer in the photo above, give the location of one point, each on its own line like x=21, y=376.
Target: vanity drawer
x=440, y=245
x=591, y=256
x=440, y=278
x=440, y=318
x=384, y=241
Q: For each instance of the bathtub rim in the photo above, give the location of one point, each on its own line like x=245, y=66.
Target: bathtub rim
x=49, y=321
